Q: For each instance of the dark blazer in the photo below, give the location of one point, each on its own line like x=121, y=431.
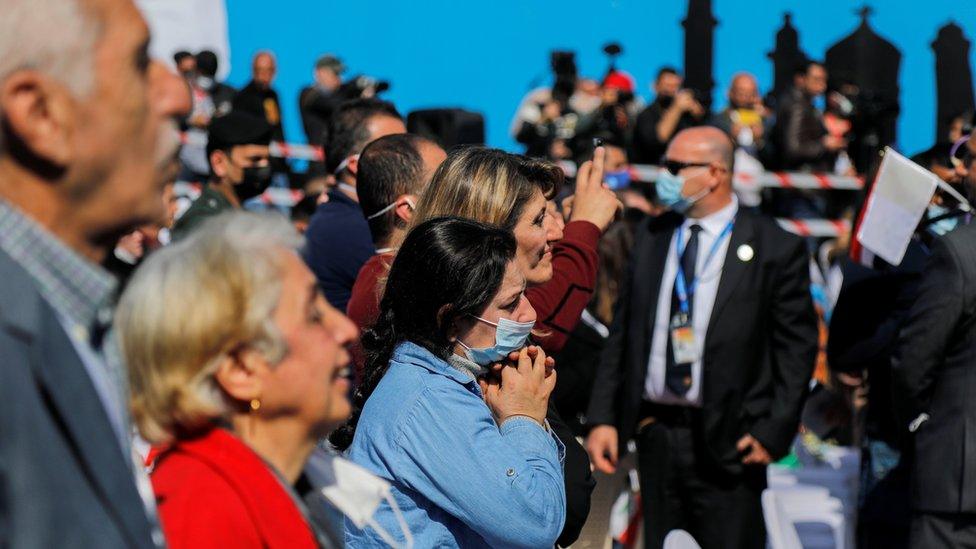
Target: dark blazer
x=759, y=351
x=63, y=479
x=934, y=372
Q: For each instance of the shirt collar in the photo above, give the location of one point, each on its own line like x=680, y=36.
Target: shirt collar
x=411, y=353
x=74, y=286
x=715, y=222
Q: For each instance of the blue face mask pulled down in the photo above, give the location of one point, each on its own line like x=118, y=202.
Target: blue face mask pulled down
x=510, y=336
x=668, y=187
x=617, y=180
x=942, y=226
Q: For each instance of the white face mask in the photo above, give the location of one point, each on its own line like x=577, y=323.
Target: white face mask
x=345, y=163
x=390, y=207
x=357, y=493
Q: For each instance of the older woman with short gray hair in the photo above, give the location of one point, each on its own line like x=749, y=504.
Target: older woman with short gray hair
x=237, y=366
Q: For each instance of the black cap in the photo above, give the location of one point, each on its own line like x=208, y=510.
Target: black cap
x=237, y=128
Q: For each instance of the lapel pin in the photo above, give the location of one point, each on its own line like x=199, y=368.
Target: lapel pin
x=745, y=252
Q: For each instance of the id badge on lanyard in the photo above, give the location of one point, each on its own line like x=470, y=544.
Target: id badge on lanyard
x=683, y=341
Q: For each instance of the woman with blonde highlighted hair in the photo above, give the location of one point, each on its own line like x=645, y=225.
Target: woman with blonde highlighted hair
x=236, y=363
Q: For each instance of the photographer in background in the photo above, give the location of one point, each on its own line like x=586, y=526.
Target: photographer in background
x=617, y=112
x=673, y=110
x=546, y=120
x=746, y=120
x=317, y=103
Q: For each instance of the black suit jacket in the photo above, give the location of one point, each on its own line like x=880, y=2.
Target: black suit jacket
x=759, y=350
x=934, y=372
x=63, y=479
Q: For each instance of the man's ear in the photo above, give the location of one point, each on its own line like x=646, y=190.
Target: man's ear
x=39, y=114
x=717, y=171
x=405, y=206
x=239, y=374
x=353, y=165
x=219, y=162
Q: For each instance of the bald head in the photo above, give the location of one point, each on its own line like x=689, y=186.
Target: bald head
x=702, y=144
x=744, y=91
x=264, y=68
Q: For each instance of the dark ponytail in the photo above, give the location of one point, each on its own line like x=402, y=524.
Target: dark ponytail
x=446, y=268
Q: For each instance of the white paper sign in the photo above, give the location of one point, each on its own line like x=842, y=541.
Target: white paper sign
x=191, y=25
x=900, y=196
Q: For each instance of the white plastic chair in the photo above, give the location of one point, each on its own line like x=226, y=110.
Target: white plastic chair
x=679, y=539
x=783, y=508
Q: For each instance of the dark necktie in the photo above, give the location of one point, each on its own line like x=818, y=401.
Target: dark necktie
x=677, y=377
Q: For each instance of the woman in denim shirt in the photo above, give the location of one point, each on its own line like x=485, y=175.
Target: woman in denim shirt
x=466, y=447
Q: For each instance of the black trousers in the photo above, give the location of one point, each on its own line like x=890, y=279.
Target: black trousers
x=682, y=489
x=942, y=530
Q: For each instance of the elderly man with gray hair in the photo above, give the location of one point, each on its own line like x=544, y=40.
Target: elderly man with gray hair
x=84, y=112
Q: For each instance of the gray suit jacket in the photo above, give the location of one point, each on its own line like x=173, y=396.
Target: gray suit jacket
x=63, y=479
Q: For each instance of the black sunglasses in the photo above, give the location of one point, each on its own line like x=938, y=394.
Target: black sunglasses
x=675, y=166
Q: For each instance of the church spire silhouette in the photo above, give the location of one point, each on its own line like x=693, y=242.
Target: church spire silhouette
x=865, y=66
x=786, y=55
x=699, y=35
x=953, y=77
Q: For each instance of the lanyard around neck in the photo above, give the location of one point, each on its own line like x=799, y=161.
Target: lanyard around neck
x=679, y=281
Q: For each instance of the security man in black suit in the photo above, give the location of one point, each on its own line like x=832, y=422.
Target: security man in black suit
x=710, y=353
x=933, y=382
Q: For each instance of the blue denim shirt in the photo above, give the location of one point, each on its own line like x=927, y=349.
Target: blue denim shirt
x=459, y=479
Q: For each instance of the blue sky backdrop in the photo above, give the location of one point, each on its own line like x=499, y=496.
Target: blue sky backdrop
x=483, y=56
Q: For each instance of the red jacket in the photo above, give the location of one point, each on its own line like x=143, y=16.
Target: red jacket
x=214, y=491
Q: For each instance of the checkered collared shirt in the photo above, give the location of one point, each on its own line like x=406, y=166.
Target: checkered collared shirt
x=81, y=294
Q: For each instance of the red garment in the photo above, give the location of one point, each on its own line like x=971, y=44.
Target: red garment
x=364, y=303
x=559, y=303
x=214, y=491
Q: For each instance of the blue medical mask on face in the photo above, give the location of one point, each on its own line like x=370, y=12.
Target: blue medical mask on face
x=942, y=226
x=619, y=179
x=668, y=187
x=510, y=336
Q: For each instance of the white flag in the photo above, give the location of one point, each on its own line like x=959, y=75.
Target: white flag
x=901, y=193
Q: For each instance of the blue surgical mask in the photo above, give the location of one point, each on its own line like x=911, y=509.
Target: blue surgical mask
x=668, y=187
x=619, y=179
x=942, y=226
x=510, y=336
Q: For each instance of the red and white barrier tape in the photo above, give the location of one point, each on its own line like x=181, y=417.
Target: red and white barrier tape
x=273, y=196
x=746, y=181
x=818, y=228
x=296, y=151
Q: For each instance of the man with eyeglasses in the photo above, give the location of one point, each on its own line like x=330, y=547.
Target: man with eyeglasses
x=709, y=355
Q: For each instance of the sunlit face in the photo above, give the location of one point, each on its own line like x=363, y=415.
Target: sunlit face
x=264, y=70
x=668, y=85
x=535, y=233
x=744, y=93
x=815, y=81
x=616, y=159
x=310, y=383
x=509, y=302
x=117, y=135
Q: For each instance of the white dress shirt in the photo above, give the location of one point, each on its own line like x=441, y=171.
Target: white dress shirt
x=708, y=276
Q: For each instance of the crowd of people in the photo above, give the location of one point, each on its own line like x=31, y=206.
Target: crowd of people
x=446, y=348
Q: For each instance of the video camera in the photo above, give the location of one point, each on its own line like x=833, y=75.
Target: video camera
x=357, y=86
